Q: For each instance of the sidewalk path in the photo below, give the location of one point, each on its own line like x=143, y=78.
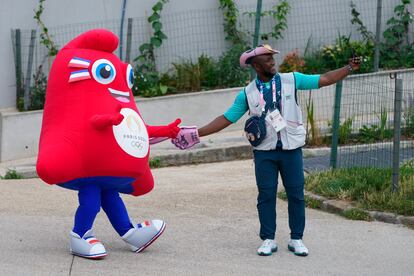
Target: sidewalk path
x=212, y=229
x=232, y=145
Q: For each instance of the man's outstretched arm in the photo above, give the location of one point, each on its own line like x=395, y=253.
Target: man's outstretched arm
x=214, y=126
x=334, y=76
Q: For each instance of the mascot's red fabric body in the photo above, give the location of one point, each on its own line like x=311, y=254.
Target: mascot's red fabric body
x=91, y=126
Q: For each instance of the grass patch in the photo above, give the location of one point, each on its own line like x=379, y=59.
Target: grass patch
x=312, y=203
x=11, y=174
x=155, y=163
x=282, y=195
x=309, y=201
x=356, y=214
x=369, y=188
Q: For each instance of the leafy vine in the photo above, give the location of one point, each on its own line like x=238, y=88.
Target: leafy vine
x=230, y=13
x=366, y=34
x=147, y=82
x=279, y=13
x=37, y=91
x=45, y=37
x=397, y=47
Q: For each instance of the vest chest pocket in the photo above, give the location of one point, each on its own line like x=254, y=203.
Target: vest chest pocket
x=255, y=108
x=296, y=136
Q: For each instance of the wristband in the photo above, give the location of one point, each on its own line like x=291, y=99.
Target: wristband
x=349, y=67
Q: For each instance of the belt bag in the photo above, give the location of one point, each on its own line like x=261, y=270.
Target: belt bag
x=255, y=130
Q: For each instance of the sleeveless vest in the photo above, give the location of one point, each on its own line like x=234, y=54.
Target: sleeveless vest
x=294, y=134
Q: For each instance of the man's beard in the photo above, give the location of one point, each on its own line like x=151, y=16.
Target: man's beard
x=268, y=74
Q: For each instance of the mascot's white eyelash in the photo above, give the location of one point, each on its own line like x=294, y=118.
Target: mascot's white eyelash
x=80, y=74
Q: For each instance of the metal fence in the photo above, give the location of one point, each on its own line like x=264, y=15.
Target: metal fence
x=365, y=122
x=369, y=109
x=197, y=32
x=365, y=102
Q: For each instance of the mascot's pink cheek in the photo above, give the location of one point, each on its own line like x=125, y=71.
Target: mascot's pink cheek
x=122, y=99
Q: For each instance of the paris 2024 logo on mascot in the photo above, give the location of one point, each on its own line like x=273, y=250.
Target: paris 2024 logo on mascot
x=95, y=141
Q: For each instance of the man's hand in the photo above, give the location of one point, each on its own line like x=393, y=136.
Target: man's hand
x=186, y=138
x=355, y=62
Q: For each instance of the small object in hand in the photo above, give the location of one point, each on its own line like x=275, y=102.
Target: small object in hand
x=356, y=60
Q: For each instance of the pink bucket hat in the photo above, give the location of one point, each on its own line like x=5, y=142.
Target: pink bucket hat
x=258, y=51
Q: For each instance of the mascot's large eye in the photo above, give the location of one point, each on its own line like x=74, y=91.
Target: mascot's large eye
x=103, y=71
x=130, y=76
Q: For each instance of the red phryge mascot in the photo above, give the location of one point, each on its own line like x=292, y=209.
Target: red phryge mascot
x=94, y=140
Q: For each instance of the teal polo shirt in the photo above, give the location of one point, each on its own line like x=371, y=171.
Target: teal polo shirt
x=239, y=107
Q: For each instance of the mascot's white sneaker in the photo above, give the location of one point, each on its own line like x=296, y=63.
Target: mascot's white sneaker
x=143, y=234
x=88, y=246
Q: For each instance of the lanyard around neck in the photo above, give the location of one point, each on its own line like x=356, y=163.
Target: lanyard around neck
x=261, y=91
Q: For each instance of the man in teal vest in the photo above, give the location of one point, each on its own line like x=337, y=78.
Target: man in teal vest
x=271, y=97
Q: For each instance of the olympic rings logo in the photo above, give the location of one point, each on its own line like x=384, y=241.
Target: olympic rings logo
x=137, y=144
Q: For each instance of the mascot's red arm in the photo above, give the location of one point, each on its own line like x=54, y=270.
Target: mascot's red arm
x=169, y=131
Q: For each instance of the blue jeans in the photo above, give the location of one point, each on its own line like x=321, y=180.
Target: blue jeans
x=290, y=165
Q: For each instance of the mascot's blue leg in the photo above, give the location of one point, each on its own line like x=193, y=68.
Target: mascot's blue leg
x=115, y=209
x=82, y=239
x=89, y=206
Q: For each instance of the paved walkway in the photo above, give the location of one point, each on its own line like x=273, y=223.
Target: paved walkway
x=212, y=224
x=212, y=229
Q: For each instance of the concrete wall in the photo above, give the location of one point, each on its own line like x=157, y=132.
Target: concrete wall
x=20, y=131
x=19, y=134
x=363, y=96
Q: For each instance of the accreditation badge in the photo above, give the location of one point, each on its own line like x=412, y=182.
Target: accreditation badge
x=276, y=120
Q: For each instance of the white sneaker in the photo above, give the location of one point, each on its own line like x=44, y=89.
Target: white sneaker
x=87, y=246
x=143, y=234
x=267, y=248
x=298, y=248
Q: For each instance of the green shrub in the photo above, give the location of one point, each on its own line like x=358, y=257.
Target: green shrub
x=313, y=137
x=408, y=115
x=148, y=84
x=292, y=63
x=369, y=134
x=11, y=174
x=338, y=55
x=314, y=63
x=155, y=163
x=229, y=72
x=208, y=72
x=345, y=130
x=188, y=76
x=397, y=46
x=38, y=90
